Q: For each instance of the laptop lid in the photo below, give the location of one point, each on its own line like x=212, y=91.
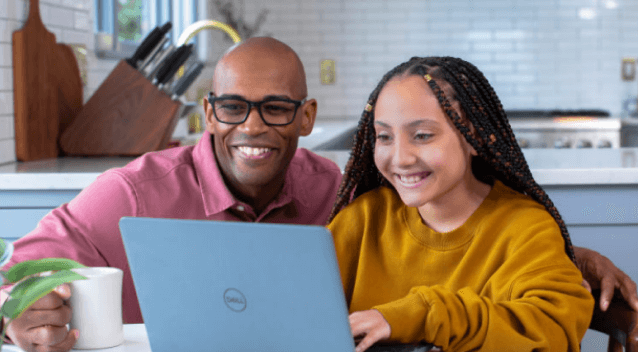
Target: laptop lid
x=234, y=286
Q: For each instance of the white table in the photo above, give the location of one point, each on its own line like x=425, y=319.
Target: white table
x=135, y=340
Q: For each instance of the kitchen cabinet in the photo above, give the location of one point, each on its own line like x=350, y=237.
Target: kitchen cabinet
x=29, y=191
x=21, y=210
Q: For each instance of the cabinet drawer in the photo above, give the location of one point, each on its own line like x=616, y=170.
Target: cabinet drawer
x=18, y=222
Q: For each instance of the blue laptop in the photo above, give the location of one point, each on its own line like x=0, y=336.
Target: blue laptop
x=233, y=286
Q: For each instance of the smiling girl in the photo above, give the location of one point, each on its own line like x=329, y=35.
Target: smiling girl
x=441, y=232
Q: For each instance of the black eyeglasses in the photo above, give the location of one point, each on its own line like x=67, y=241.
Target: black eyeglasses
x=273, y=111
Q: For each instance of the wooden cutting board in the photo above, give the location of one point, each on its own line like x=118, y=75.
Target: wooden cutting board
x=34, y=89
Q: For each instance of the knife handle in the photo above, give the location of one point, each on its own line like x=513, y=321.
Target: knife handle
x=153, y=53
x=144, y=48
x=176, y=60
x=152, y=69
x=189, y=77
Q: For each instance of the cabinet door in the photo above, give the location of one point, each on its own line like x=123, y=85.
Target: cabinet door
x=19, y=222
x=20, y=211
x=605, y=219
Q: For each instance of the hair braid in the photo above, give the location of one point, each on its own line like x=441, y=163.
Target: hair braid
x=499, y=155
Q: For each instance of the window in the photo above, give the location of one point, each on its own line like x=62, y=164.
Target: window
x=121, y=25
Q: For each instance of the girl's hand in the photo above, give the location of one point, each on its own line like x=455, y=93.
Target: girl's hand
x=368, y=327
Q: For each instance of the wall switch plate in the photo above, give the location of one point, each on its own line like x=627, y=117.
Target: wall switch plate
x=328, y=72
x=628, y=69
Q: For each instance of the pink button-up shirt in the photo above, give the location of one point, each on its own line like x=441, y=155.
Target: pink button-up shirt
x=182, y=183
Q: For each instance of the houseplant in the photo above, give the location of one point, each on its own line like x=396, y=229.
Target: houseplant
x=29, y=284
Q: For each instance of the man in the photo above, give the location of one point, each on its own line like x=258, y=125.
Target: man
x=250, y=171
x=246, y=167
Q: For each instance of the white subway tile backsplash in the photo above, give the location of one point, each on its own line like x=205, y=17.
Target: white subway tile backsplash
x=59, y=17
x=6, y=78
x=7, y=151
x=365, y=5
x=511, y=35
x=319, y=5
x=6, y=127
x=513, y=57
x=13, y=9
x=476, y=35
x=495, y=24
x=82, y=21
x=6, y=104
x=504, y=77
x=75, y=37
x=7, y=27
x=6, y=55
x=538, y=54
x=492, y=46
x=78, y=4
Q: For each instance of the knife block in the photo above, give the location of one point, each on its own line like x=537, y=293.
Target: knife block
x=127, y=116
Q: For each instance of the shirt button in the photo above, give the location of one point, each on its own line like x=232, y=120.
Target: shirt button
x=240, y=208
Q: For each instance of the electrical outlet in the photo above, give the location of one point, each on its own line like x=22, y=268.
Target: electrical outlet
x=628, y=69
x=328, y=72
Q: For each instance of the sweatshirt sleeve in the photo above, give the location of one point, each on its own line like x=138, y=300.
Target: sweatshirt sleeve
x=534, y=301
x=86, y=229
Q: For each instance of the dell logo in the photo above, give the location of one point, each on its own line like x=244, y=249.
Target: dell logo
x=234, y=300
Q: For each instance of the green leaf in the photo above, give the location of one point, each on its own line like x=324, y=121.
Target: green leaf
x=6, y=251
x=30, y=267
x=34, y=288
x=19, y=289
x=9, y=307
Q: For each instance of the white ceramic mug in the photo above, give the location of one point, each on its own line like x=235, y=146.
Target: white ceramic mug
x=96, y=305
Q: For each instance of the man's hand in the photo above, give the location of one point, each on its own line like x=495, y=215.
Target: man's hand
x=599, y=272
x=42, y=327
x=370, y=326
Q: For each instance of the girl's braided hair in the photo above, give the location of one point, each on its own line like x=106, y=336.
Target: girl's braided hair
x=499, y=155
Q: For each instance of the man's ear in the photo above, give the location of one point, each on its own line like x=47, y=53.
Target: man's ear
x=210, y=119
x=308, y=116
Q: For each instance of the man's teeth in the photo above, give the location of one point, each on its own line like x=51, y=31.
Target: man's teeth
x=253, y=151
x=410, y=179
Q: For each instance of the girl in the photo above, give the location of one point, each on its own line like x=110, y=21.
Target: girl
x=446, y=237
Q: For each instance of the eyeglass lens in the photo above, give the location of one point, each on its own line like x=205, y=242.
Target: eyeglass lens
x=235, y=111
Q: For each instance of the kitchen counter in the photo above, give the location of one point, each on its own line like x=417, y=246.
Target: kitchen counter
x=549, y=167
x=55, y=174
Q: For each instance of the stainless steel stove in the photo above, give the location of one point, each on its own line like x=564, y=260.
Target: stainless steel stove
x=565, y=129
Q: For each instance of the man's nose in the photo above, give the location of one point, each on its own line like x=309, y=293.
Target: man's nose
x=254, y=124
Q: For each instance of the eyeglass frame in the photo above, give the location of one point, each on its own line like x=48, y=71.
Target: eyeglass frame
x=257, y=104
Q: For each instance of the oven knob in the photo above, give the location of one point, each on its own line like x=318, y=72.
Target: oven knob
x=561, y=143
x=583, y=143
x=604, y=144
x=523, y=143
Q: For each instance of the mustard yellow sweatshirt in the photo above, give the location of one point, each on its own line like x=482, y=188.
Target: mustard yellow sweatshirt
x=500, y=282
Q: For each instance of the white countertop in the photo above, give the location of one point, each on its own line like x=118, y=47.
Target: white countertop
x=135, y=340
x=549, y=167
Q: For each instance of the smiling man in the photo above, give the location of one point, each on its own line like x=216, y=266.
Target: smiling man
x=257, y=111
x=246, y=167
